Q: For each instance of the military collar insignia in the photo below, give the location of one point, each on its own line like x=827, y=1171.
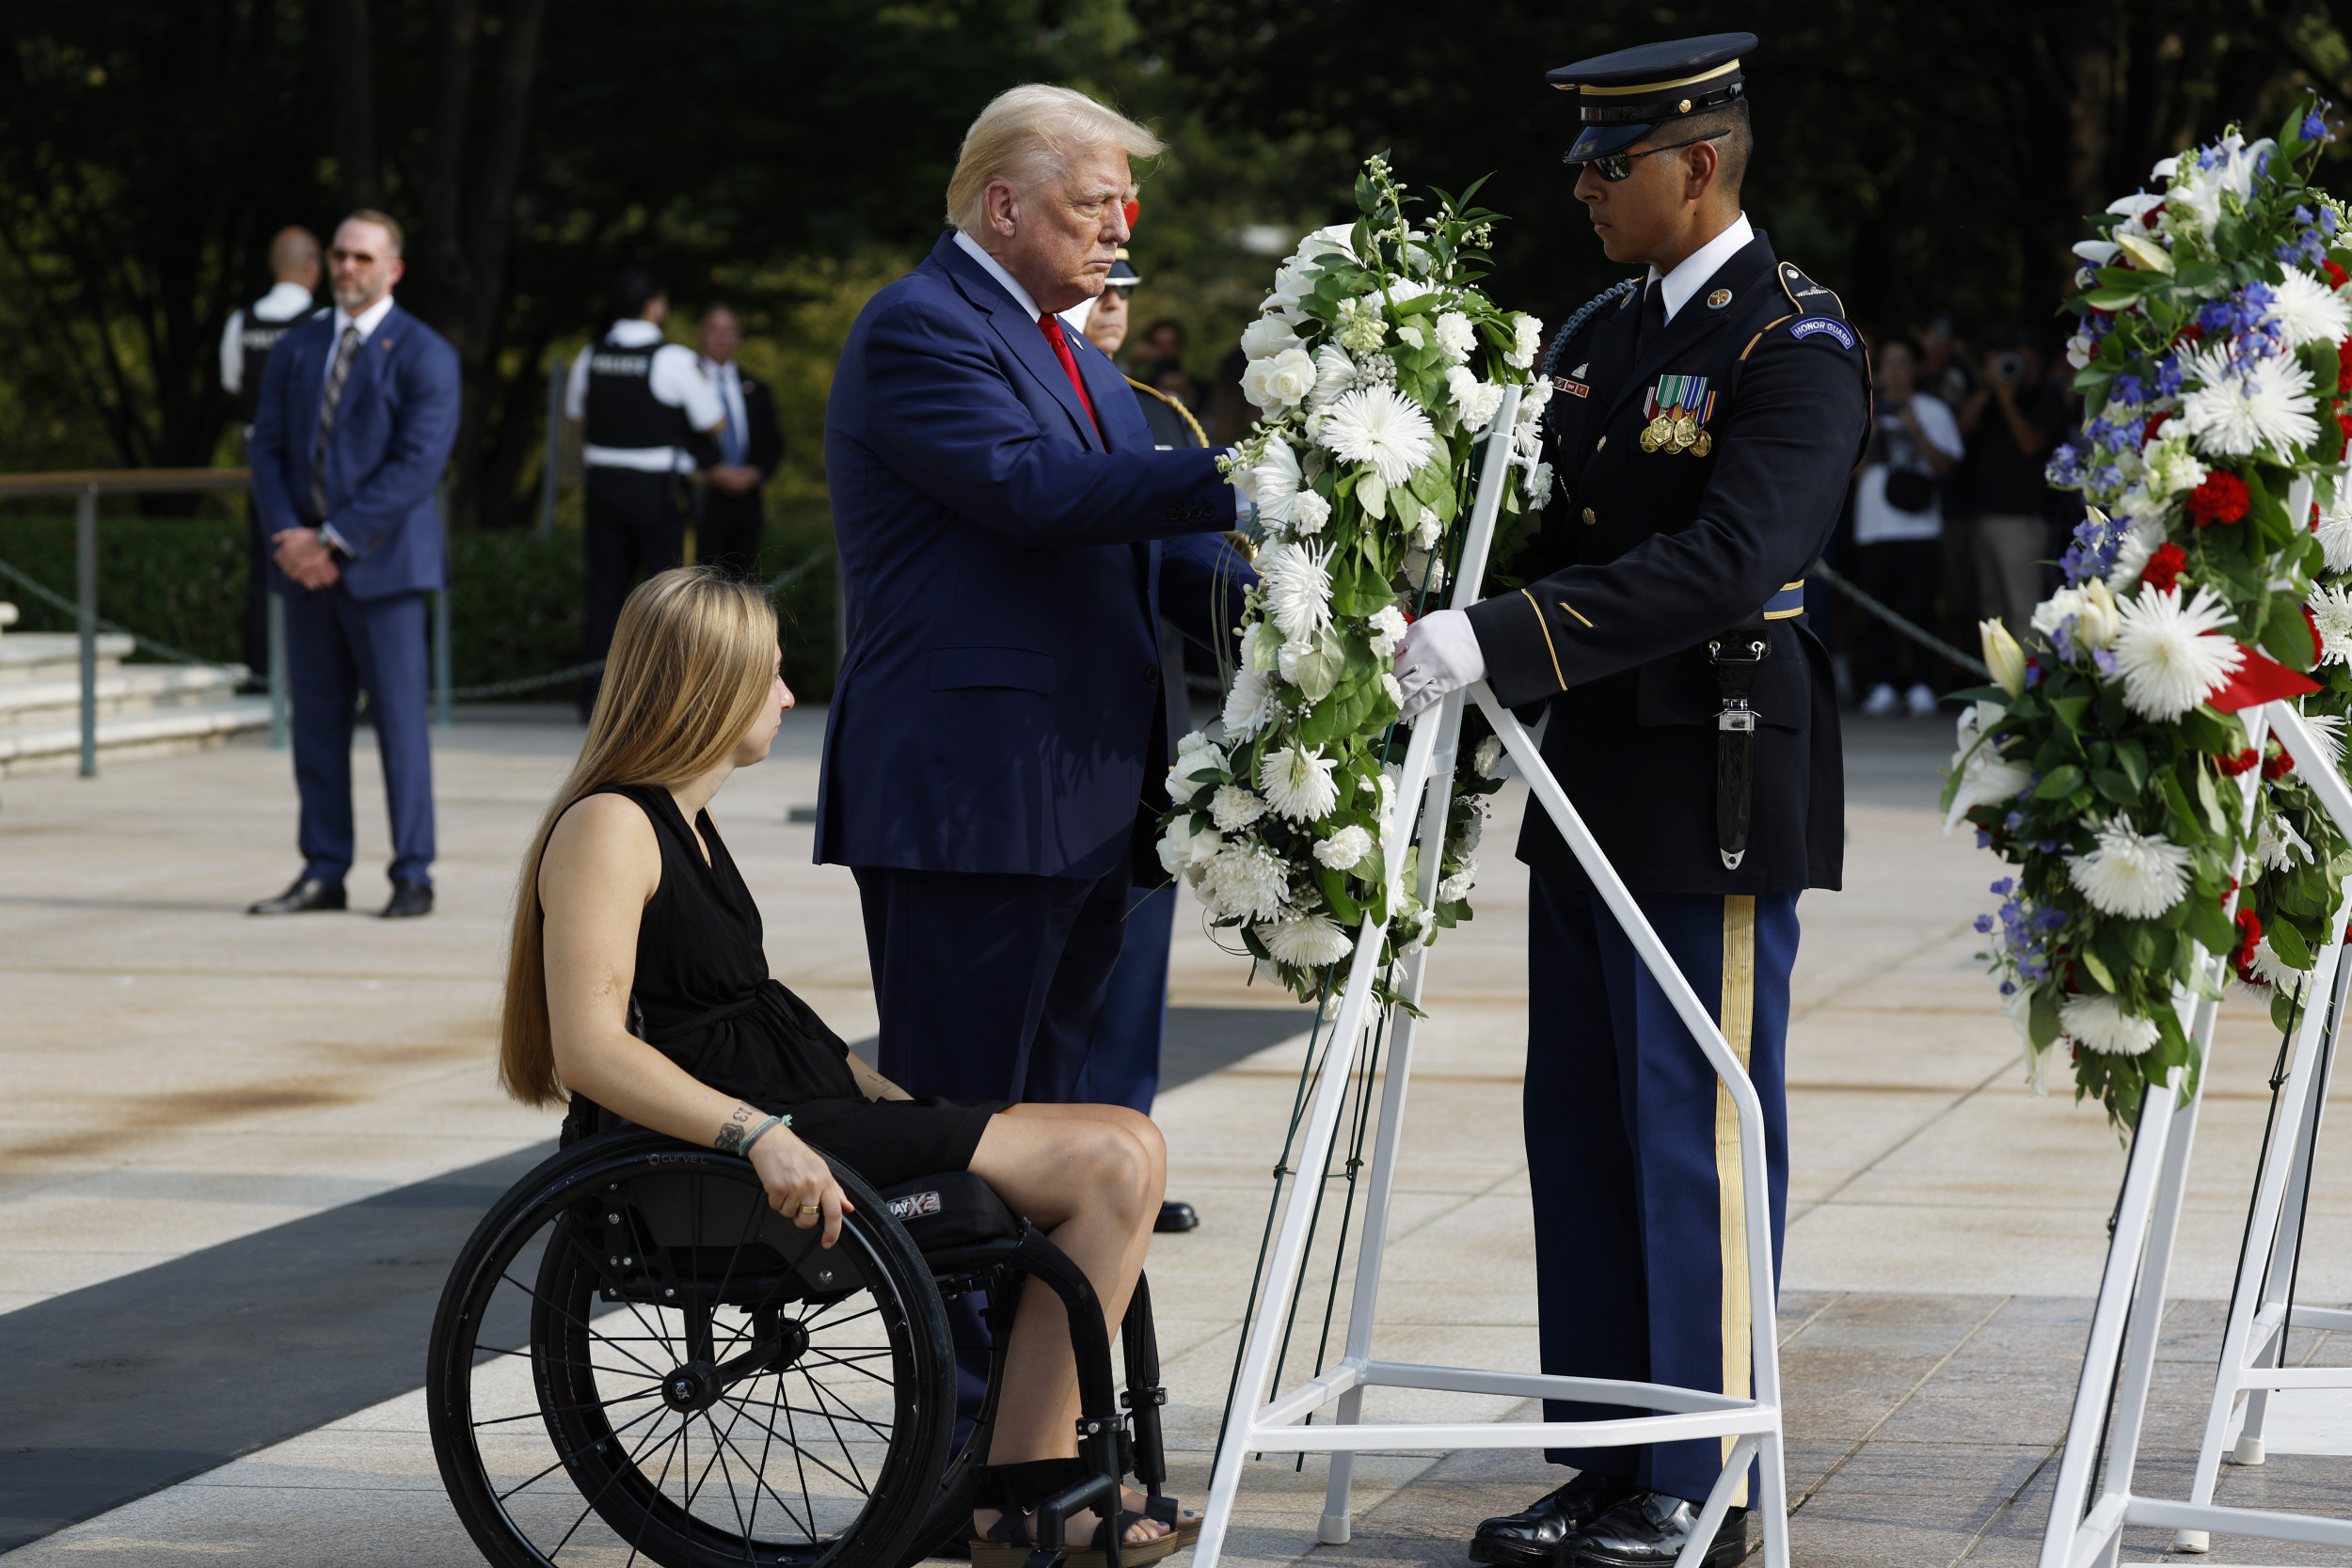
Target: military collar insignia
x=1579, y=371
x=1720, y=298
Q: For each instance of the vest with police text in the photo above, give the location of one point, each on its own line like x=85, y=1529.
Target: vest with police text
x=256, y=336
x=622, y=410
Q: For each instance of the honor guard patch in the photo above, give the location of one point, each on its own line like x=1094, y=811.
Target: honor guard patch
x=1720, y=298
x=1809, y=326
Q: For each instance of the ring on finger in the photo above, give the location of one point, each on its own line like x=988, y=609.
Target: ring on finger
x=810, y=1208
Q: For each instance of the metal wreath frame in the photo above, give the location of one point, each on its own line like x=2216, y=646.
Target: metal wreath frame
x=2118, y=1364
x=1256, y=1421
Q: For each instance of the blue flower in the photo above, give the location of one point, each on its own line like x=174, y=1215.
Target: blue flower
x=2169, y=376
x=2014, y=821
x=2314, y=129
x=2008, y=988
x=1984, y=925
x=1984, y=841
x=2104, y=659
x=2005, y=885
x=2127, y=390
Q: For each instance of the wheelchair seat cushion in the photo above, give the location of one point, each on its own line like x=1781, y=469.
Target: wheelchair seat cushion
x=950, y=1211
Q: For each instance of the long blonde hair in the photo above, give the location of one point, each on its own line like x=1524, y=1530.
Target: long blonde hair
x=692, y=660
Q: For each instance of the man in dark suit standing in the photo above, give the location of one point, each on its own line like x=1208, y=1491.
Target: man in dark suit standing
x=730, y=507
x=357, y=413
x=998, y=732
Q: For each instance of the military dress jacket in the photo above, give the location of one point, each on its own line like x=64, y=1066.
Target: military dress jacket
x=1694, y=480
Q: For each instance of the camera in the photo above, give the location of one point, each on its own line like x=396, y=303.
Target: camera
x=2009, y=368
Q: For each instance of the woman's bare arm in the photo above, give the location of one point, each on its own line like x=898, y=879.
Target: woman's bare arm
x=602, y=864
x=872, y=1084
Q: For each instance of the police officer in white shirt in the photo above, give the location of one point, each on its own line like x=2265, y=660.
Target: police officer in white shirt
x=647, y=407
x=251, y=332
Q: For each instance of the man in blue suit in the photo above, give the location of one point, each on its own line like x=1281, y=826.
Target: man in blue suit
x=358, y=411
x=996, y=733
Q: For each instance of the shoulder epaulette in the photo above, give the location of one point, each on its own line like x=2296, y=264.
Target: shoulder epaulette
x=1583, y=313
x=1810, y=298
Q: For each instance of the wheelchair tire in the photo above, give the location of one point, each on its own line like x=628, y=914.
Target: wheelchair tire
x=635, y=1356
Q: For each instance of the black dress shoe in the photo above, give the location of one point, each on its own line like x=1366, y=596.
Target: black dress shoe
x=301, y=897
x=1538, y=1537
x=1175, y=1216
x=410, y=899
x=1649, y=1529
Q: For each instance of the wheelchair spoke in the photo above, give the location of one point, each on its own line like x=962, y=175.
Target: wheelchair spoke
x=838, y=1441
x=759, y=1480
x=852, y=1366
x=793, y=1428
x=566, y=1409
x=577, y=1321
x=589, y=1507
x=563, y=1458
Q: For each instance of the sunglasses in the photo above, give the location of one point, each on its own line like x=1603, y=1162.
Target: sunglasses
x=1613, y=167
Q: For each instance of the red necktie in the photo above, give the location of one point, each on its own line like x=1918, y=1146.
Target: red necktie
x=1051, y=326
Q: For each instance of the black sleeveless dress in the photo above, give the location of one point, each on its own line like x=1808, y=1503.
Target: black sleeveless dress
x=705, y=999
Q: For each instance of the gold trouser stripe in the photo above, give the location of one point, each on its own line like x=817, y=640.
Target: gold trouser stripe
x=1736, y=1016
x=1546, y=629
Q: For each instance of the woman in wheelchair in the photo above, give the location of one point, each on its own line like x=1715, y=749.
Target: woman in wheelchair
x=638, y=986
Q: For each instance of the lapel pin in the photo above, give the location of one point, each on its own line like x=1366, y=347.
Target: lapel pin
x=1720, y=298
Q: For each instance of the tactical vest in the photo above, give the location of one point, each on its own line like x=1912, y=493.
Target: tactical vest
x=255, y=339
x=622, y=410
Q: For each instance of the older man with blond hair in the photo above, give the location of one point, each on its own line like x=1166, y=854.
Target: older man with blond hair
x=997, y=735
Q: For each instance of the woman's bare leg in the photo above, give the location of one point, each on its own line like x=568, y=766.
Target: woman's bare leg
x=1091, y=1177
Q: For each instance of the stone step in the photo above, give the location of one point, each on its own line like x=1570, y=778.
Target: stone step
x=164, y=732
x=42, y=655
x=122, y=690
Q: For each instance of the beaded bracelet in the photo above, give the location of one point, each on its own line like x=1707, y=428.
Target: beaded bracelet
x=761, y=1131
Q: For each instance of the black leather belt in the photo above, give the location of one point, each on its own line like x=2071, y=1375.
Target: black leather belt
x=1737, y=654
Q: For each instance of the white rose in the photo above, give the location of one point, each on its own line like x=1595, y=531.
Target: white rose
x=1266, y=336
x=1455, y=336
x=1281, y=383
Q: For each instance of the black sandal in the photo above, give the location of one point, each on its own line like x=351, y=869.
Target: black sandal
x=1019, y=1489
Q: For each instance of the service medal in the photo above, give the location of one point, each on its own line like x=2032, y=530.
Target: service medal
x=1686, y=431
x=1704, y=444
x=1658, y=433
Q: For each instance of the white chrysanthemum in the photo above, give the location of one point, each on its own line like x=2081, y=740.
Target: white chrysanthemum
x=1297, y=582
x=1526, y=435
x=2242, y=406
x=1427, y=531
x=1266, y=336
x=1474, y=401
x=2271, y=968
x=1386, y=630
x=1527, y=338
x=1457, y=336
x=1988, y=778
x=2331, y=611
x=1281, y=383
x=1185, y=849
x=1309, y=513
x=2335, y=527
x=2132, y=874
x=2278, y=846
x=2169, y=663
x=2172, y=468
x=1249, y=705
x=1275, y=482
x=1488, y=757
x=1335, y=372
x=1345, y=850
x=1246, y=880
x=1454, y=888
x=1380, y=426
x=1539, y=486
x=1389, y=685
x=2327, y=732
x=2139, y=542
x=1309, y=941
x=1298, y=782
x=1233, y=806
x=2307, y=310
x=2098, y=1023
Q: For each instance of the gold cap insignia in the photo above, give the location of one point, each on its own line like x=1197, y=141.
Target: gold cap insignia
x=1683, y=108
x=1588, y=515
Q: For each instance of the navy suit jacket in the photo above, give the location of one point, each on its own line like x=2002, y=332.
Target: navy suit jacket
x=394, y=431
x=997, y=701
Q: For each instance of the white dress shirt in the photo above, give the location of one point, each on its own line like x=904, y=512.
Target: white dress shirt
x=729, y=382
x=1691, y=276
x=674, y=378
x=285, y=302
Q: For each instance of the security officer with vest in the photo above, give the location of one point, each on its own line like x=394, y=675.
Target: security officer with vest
x=649, y=411
x=245, y=343
x=1702, y=421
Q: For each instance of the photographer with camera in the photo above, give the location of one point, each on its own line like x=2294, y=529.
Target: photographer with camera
x=2006, y=487
x=1898, y=520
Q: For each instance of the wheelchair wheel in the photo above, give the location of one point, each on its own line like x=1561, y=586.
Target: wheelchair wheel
x=636, y=1357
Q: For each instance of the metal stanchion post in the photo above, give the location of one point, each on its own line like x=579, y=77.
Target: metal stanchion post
x=280, y=735
x=86, y=617
x=552, y=464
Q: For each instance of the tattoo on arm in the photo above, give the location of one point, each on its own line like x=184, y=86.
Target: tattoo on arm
x=739, y=1122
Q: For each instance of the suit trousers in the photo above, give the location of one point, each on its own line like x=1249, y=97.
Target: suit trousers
x=726, y=534
x=1123, y=1064
x=336, y=647
x=1633, y=1154
x=634, y=526
x=990, y=985
x=256, y=620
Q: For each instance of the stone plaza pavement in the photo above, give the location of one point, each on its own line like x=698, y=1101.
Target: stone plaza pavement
x=178, y=1076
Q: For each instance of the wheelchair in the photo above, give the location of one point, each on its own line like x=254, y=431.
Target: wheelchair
x=637, y=1358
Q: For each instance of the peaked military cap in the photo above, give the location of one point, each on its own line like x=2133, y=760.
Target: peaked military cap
x=1624, y=95
x=1123, y=273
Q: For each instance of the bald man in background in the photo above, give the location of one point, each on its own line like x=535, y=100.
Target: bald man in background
x=245, y=343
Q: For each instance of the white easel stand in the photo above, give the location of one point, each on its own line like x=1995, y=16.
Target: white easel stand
x=2085, y=1532
x=1257, y=1423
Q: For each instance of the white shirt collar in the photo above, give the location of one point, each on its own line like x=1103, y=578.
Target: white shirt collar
x=997, y=269
x=636, y=332
x=366, y=321
x=1702, y=264
x=715, y=371
x=283, y=302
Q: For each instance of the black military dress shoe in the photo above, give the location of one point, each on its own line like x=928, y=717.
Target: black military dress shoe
x=410, y=899
x=1537, y=1536
x=1649, y=1529
x=302, y=896
x=1175, y=1216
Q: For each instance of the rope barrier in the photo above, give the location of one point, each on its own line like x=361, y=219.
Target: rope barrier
x=161, y=650
x=1917, y=633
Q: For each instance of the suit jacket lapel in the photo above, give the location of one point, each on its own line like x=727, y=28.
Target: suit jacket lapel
x=1019, y=333
x=1693, y=324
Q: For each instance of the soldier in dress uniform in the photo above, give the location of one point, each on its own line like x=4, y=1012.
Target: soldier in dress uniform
x=1702, y=423
x=245, y=343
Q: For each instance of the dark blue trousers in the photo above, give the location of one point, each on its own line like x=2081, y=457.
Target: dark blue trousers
x=1632, y=1151
x=990, y=985
x=1122, y=1066
x=336, y=647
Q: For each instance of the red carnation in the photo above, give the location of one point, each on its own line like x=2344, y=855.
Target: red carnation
x=2310, y=624
x=2163, y=568
x=2222, y=499
x=2155, y=422
x=2336, y=275
x=2343, y=364
x=2250, y=928
x=2278, y=764
x=2193, y=332
x=2344, y=435
x=2231, y=766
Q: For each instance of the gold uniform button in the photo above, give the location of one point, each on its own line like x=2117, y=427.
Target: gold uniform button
x=1588, y=515
x=1602, y=444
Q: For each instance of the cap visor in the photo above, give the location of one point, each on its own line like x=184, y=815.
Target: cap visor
x=1598, y=141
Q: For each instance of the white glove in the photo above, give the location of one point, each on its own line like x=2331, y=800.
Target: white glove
x=1440, y=656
